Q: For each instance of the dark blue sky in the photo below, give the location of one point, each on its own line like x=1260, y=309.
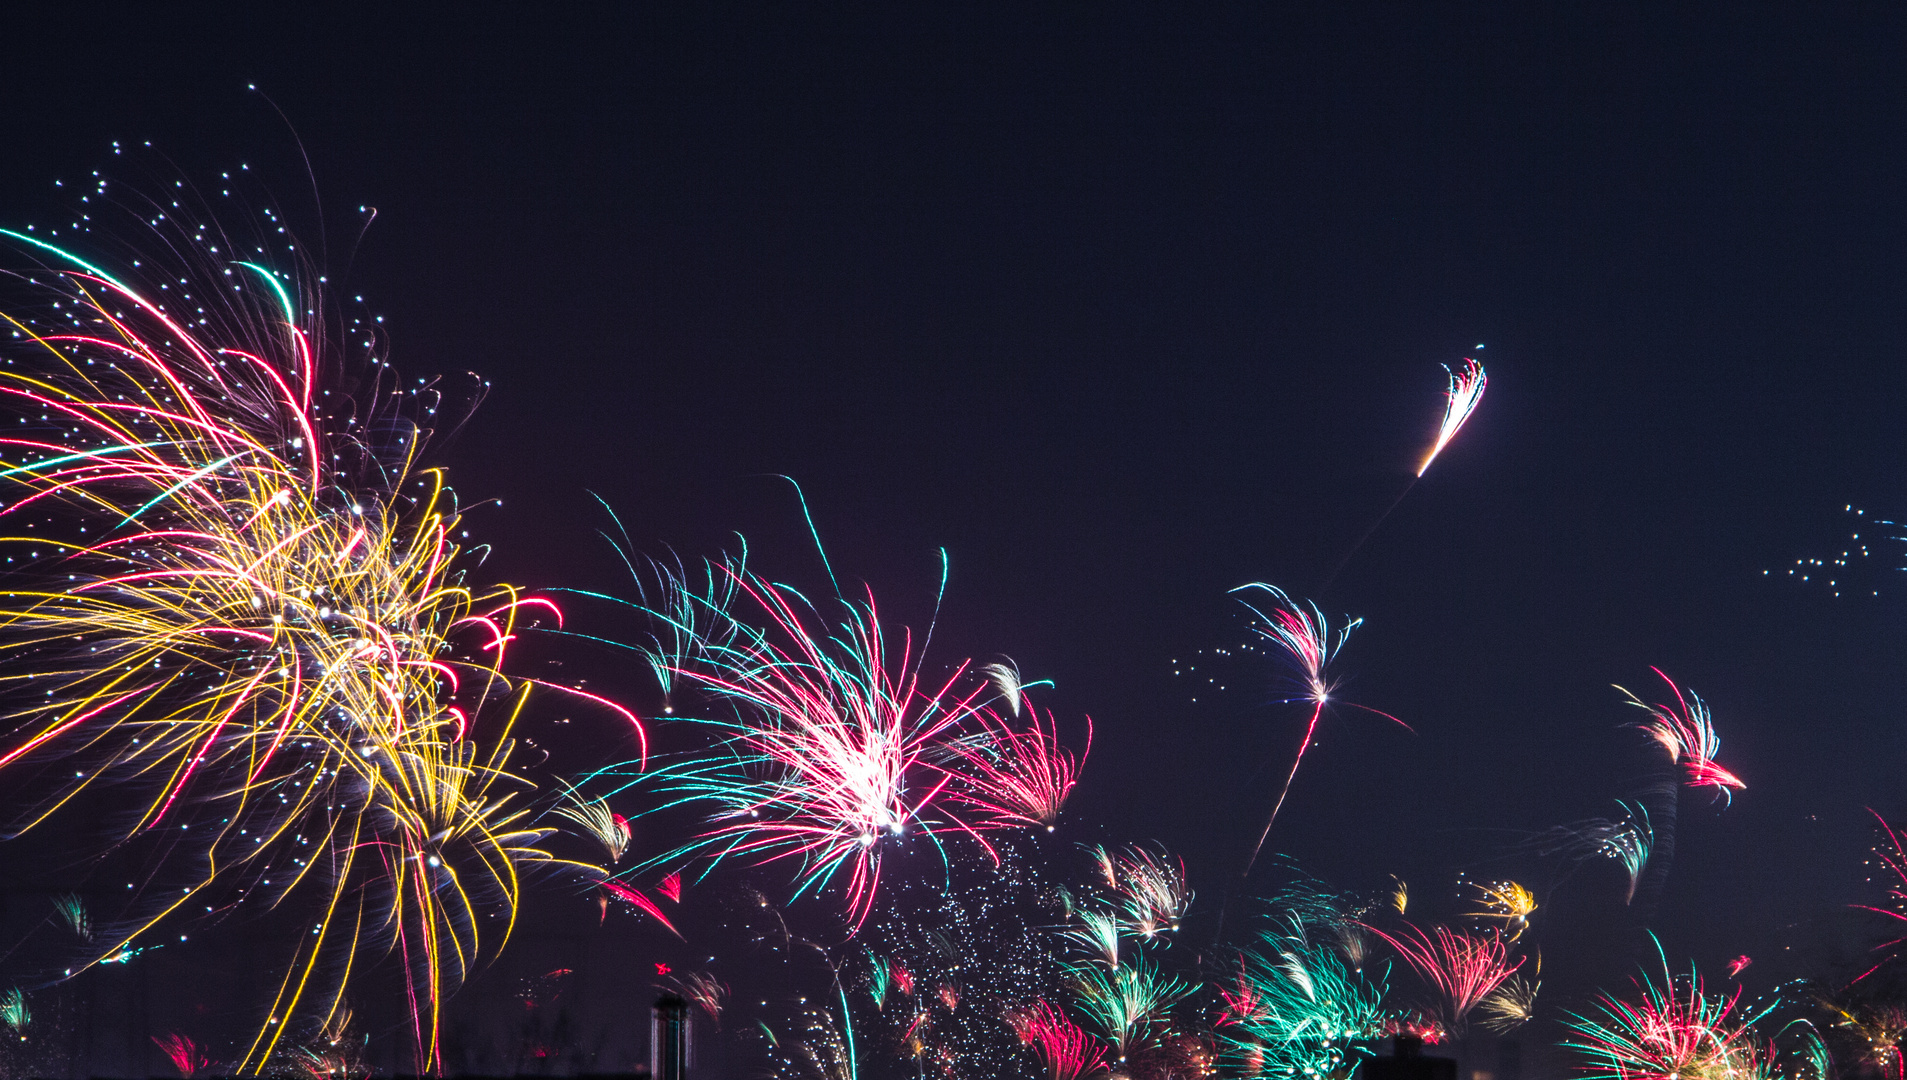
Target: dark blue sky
x=1125, y=307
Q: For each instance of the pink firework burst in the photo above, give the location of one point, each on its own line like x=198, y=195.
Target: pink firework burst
x=830, y=755
x=1686, y=732
x=1069, y=1052
x=1669, y=1029
x=1014, y=778
x=186, y=1056
x=1463, y=968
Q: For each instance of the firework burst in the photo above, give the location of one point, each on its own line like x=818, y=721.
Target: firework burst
x=239, y=598
x=1300, y=1008
x=1510, y=1005
x=1506, y=901
x=1305, y=638
x=1671, y=1028
x=1012, y=778
x=833, y=749
x=1127, y=1003
x=1686, y=732
x=1462, y=968
x=1068, y=1051
x=1460, y=400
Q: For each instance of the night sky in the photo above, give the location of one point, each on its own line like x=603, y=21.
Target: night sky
x=1125, y=307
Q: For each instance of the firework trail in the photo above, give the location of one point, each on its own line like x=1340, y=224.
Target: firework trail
x=1628, y=841
x=238, y=596
x=1304, y=636
x=1461, y=398
x=1462, y=968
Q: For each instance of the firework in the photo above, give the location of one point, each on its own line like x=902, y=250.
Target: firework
x=634, y=898
x=686, y=619
x=602, y=824
x=1878, y=1029
x=1671, y=1028
x=1304, y=636
x=880, y=980
x=833, y=751
x=1005, y=676
x=1299, y=1009
x=978, y=946
x=1152, y=894
x=825, y=1048
x=1628, y=841
x=186, y=1056
x=1013, y=779
x=72, y=911
x=1460, y=400
x=1505, y=900
x=1510, y=1005
x=14, y=1012
x=1098, y=934
x=702, y=990
x=1128, y=1002
x=1068, y=1051
x=243, y=602
x=1686, y=732
x=1891, y=854
x=1462, y=968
